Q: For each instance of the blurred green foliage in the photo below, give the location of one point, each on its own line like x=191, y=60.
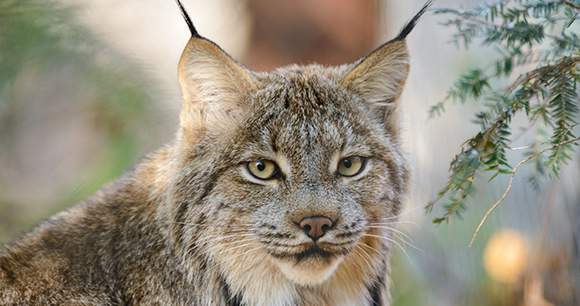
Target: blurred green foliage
x=45, y=37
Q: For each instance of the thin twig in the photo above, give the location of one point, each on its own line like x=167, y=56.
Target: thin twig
x=530, y=146
x=430, y=205
x=521, y=148
x=570, y=4
x=511, y=181
x=530, y=126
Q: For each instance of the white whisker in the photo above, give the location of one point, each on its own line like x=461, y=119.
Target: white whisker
x=231, y=249
x=248, y=251
x=397, y=216
x=370, y=247
x=393, y=230
x=364, y=256
x=394, y=222
x=393, y=241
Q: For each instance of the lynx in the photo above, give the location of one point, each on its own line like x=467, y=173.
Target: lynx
x=281, y=188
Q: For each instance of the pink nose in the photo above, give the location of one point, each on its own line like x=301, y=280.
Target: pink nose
x=315, y=227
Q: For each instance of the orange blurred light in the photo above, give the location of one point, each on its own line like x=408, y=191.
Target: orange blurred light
x=506, y=256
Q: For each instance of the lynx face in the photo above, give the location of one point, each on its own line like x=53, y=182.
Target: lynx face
x=327, y=171
x=298, y=173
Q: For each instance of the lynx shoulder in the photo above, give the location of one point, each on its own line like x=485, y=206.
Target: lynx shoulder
x=281, y=188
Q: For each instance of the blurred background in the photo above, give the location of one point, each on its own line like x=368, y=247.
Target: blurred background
x=88, y=87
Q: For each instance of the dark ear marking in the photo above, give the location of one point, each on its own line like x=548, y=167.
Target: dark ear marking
x=413, y=22
x=188, y=20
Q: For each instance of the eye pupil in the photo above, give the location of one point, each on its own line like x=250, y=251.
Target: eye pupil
x=347, y=163
x=351, y=166
x=262, y=169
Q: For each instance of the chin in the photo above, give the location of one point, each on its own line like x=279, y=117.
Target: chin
x=310, y=267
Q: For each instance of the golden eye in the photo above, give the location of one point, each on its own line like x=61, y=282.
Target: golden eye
x=351, y=166
x=262, y=169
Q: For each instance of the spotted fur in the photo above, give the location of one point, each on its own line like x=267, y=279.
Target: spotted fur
x=192, y=226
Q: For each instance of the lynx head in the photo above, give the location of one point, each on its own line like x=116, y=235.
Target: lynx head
x=298, y=172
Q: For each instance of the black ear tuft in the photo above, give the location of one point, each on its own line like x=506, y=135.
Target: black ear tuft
x=188, y=20
x=413, y=22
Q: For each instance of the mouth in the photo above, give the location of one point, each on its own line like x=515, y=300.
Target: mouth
x=310, y=263
x=306, y=252
x=311, y=250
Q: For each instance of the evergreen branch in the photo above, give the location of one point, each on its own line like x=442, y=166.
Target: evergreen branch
x=563, y=134
x=530, y=146
x=471, y=18
x=430, y=205
x=533, y=123
x=570, y=4
x=511, y=181
x=547, y=91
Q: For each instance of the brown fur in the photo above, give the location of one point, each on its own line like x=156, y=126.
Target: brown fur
x=191, y=226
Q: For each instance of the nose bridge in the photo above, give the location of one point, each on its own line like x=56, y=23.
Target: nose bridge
x=312, y=170
x=314, y=199
x=312, y=191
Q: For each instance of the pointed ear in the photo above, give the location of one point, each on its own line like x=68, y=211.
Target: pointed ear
x=379, y=79
x=213, y=87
